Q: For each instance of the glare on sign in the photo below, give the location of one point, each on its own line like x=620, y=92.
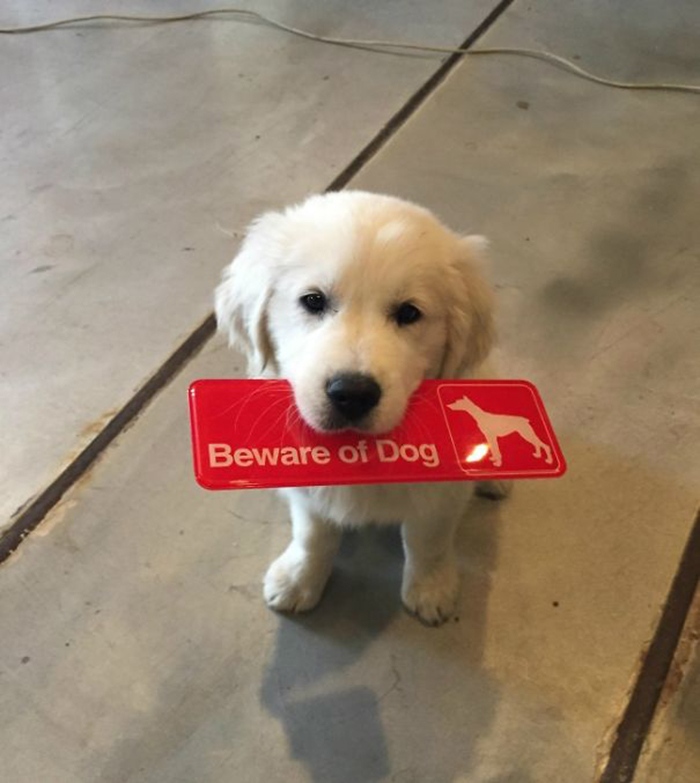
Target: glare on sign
x=477, y=453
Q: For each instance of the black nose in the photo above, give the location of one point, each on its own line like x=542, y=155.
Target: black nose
x=353, y=395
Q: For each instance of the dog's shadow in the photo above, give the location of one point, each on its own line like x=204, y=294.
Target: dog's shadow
x=336, y=731
x=361, y=599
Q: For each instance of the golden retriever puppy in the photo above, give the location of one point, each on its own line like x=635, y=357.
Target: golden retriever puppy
x=355, y=298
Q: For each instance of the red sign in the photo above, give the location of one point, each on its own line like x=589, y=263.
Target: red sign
x=249, y=434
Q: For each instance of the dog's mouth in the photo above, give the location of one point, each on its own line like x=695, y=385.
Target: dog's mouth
x=346, y=401
x=334, y=423
x=328, y=421
x=350, y=402
x=374, y=424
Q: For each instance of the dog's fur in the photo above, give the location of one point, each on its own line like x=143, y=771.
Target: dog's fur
x=368, y=254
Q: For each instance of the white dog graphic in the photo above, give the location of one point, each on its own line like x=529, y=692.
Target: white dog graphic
x=497, y=425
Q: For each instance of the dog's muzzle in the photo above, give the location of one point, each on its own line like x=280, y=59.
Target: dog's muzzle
x=352, y=396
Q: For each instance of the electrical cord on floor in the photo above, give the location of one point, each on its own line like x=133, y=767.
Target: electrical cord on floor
x=397, y=47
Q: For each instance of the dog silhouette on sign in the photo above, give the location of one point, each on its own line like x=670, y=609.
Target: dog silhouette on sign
x=497, y=425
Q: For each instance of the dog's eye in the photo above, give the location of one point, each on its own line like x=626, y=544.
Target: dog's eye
x=314, y=303
x=406, y=314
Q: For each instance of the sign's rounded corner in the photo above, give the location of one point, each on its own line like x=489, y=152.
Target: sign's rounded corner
x=194, y=385
x=205, y=483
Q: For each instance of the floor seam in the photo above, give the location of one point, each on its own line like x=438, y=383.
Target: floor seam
x=637, y=718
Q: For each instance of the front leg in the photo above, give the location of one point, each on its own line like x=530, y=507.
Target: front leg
x=294, y=582
x=430, y=577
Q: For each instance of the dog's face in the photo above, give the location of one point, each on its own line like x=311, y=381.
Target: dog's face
x=355, y=299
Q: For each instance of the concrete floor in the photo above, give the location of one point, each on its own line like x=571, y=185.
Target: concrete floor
x=131, y=158
x=135, y=645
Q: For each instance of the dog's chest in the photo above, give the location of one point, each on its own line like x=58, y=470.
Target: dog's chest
x=382, y=503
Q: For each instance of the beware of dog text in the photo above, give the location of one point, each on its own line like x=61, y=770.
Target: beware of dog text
x=223, y=455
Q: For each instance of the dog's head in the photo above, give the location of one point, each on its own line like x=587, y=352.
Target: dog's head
x=356, y=298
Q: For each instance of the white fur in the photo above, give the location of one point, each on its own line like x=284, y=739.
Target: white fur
x=368, y=254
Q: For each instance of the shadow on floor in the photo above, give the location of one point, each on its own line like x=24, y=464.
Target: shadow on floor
x=319, y=683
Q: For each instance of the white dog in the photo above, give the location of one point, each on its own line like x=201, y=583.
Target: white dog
x=355, y=298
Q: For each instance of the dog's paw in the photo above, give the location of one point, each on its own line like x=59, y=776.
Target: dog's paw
x=432, y=597
x=293, y=583
x=494, y=489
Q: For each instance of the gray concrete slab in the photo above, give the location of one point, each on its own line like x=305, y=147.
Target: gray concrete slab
x=672, y=750
x=135, y=643
x=589, y=196
x=130, y=155
x=141, y=650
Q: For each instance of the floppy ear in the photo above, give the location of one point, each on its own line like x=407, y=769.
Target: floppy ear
x=470, y=329
x=242, y=298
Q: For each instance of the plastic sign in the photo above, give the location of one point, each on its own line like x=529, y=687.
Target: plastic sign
x=249, y=434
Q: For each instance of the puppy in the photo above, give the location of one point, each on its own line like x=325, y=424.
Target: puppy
x=355, y=298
